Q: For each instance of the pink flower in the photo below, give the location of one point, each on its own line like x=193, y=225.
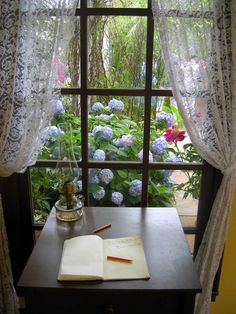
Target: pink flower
x=198, y=114
x=174, y=134
x=60, y=69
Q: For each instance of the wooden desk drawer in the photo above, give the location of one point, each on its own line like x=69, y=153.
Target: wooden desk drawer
x=48, y=302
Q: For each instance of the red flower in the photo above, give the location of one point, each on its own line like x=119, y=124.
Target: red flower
x=174, y=134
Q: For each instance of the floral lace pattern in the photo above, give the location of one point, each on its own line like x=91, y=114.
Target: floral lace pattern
x=31, y=38
x=31, y=34
x=199, y=52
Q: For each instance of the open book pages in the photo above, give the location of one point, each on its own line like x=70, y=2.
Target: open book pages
x=85, y=258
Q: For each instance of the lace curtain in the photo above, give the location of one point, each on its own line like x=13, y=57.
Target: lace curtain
x=32, y=35
x=198, y=42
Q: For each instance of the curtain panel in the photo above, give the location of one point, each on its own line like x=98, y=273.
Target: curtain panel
x=34, y=35
x=198, y=42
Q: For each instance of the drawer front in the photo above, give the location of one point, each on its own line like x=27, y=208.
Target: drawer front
x=47, y=302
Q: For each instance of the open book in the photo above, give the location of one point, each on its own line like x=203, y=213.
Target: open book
x=85, y=258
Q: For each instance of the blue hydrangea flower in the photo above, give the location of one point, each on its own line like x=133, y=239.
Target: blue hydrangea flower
x=56, y=152
x=117, y=198
x=172, y=158
x=159, y=146
x=112, y=155
x=93, y=176
x=79, y=185
x=99, y=194
x=168, y=118
x=168, y=180
x=97, y=106
x=99, y=154
x=105, y=130
x=105, y=116
x=52, y=131
x=77, y=171
x=59, y=109
x=106, y=175
x=140, y=156
x=135, y=188
x=124, y=141
x=116, y=105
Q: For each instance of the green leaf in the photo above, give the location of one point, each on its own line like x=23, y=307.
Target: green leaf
x=122, y=173
x=93, y=187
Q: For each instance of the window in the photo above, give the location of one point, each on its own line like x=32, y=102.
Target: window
x=120, y=105
x=118, y=100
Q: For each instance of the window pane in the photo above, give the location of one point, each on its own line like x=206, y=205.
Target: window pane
x=110, y=187
x=117, y=4
x=180, y=189
x=159, y=76
x=113, y=61
x=44, y=192
x=115, y=128
x=169, y=140
x=67, y=110
x=46, y=184
x=67, y=62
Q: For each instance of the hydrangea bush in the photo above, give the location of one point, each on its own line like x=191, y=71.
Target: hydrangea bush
x=115, y=136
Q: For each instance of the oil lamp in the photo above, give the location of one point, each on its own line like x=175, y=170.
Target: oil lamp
x=69, y=207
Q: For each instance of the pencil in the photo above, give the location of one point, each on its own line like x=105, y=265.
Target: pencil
x=119, y=259
x=102, y=228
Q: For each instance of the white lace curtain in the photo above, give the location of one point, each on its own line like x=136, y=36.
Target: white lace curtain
x=32, y=34
x=198, y=42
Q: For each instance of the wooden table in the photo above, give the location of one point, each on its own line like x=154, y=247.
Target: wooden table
x=170, y=290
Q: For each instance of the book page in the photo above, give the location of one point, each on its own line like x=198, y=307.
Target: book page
x=128, y=247
x=82, y=259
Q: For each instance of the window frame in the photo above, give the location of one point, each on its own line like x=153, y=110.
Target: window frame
x=147, y=92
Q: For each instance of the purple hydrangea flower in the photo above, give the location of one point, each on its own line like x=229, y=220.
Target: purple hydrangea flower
x=106, y=175
x=135, y=188
x=97, y=106
x=105, y=116
x=106, y=132
x=168, y=118
x=159, y=146
x=124, y=141
x=117, y=198
x=93, y=176
x=140, y=156
x=59, y=109
x=99, y=154
x=79, y=185
x=99, y=194
x=116, y=105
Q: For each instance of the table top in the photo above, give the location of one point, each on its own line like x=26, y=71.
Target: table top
x=169, y=261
